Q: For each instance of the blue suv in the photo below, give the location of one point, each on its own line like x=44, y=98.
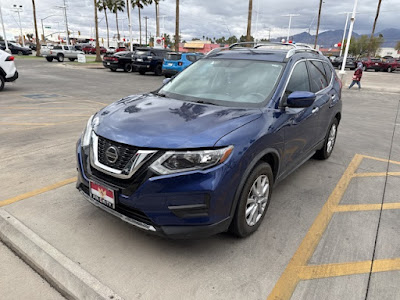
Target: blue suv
x=202, y=154
x=176, y=62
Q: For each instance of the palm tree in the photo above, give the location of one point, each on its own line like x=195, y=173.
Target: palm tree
x=36, y=31
x=373, y=27
x=115, y=6
x=103, y=6
x=96, y=24
x=248, y=37
x=140, y=4
x=319, y=20
x=177, y=26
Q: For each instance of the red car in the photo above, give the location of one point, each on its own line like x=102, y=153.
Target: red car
x=89, y=49
x=121, y=48
x=372, y=63
x=389, y=64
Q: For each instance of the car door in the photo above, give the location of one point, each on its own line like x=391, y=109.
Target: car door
x=324, y=92
x=300, y=123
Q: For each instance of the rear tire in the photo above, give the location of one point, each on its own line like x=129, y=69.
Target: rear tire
x=158, y=70
x=376, y=70
x=60, y=57
x=128, y=68
x=113, y=70
x=389, y=69
x=20, y=53
x=2, y=82
x=329, y=143
x=49, y=59
x=364, y=68
x=142, y=72
x=71, y=59
x=253, y=202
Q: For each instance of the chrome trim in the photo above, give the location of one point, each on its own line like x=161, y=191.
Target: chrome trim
x=137, y=161
x=119, y=215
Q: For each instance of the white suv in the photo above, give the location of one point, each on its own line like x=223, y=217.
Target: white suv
x=8, y=71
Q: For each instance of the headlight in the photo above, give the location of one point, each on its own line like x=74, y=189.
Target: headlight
x=87, y=132
x=183, y=161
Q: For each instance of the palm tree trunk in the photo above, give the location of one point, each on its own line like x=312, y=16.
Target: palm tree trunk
x=36, y=31
x=177, y=26
x=108, y=30
x=373, y=27
x=140, y=28
x=96, y=24
x=116, y=19
x=319, y=19
x=248, y=37
x=157, y=20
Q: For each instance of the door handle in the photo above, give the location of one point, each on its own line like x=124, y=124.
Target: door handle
x=315, y=110
x=333, y=97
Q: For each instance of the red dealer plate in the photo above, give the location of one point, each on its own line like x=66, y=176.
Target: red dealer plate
x=103, y=195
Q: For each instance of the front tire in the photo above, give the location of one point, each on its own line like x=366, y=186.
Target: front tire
x=254, y=200
x=20, y=53
x=364, y=68
x=2, y=82
x=142, y=72
x=389, y=69
x=60, y=58
x=128, y=68
x=329, y=143
x=49, y=59
x=71, y=59
x=158, y=70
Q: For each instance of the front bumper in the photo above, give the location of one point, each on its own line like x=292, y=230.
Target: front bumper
x=194, y=205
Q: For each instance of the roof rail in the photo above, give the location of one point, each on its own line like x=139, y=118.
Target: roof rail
x=291, y=52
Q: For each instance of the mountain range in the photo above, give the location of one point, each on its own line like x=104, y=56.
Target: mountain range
x=329, y=38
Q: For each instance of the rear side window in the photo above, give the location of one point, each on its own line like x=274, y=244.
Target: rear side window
x=173, y=56
x=328, y=72
x=57, y=48
x=317, y=76
x=191, y=58
x=299, y=80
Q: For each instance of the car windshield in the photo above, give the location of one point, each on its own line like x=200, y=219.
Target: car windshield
x=142, y=52
x=16, y=44
x=226, y=82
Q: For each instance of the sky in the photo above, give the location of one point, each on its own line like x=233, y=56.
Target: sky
x=208, y=18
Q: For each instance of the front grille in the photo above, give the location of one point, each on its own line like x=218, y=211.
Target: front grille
x=125, y=153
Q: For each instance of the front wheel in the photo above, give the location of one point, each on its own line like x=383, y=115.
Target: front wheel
x=329, y=143
x=389, y=69
x=158, y=70
x=254, y=200
x=20, y=53
x=60, y=58
x=142, y=72
x=49, y=59
x=71, y=59
x=376, y=70
x=2, y=82
x=128, y=68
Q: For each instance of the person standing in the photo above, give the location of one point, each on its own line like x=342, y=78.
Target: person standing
x=357, y=76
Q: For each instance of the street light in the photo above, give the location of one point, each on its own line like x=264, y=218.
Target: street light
x=290, y=23
x=4, y=31
x=353, y=18
x=18, y=9
x=41, y=20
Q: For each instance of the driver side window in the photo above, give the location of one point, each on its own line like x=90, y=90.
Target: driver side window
x=299, y=81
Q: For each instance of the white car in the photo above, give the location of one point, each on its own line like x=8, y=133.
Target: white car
x=8, y=71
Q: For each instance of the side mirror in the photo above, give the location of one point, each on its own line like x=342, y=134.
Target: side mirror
x=166, y=80
x=300, y=99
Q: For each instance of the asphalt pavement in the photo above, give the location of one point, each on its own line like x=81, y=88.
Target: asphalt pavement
x=331, y=231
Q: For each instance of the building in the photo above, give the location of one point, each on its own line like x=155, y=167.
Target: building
x=388, y=52
x=199, y=46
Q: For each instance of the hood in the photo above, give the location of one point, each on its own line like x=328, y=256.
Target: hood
x=151, y=121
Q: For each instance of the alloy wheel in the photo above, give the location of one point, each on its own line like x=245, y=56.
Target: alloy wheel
x=257, y=200
x=331, y=139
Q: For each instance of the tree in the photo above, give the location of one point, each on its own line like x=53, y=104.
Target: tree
x=96, y=24
x=140, y=4
x=36, y=30
x=246, y=39
x=232, y=40
x=397, y=47
x=103, y=5
x=373, y=27
x=177, y=26
x=249, y=21
x=115, y=6
x=364, y=45
x=319, y=20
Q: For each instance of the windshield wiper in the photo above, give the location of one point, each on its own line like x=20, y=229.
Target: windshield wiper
x=205, y=102
x=159, y=94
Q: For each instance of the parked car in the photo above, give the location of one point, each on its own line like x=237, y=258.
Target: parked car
x=61, y=52
x=389, y=64
x=92, y=50
x=119, y=60
x=202, y=154
x=176, y=62
x=31, y=46
x=121, y=48
x=15, y=48
x=8, y=71
x=149, y=60
x=372, y=63
x=351, y=63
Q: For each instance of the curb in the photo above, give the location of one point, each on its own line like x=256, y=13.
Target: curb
x=63, y=274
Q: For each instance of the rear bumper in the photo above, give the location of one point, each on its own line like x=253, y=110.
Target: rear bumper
x=170, y=72
x=13, y=78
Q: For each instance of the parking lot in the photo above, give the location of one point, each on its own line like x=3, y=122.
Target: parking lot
x=331, y=231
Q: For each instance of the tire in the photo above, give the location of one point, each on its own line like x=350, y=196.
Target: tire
x=2, y=82
x=329, y=143
x=376, y=70
x=158, y=70
x=49, y=59
x=60, y=57
x=339, y=67
x=364, y=68
x=20, y=53
x=113, y=70
x=389, y=69
x=247, y=220
x=167, y=75
x=71, y=59
x=352, y=69
x=128, y=68
x=142, y=72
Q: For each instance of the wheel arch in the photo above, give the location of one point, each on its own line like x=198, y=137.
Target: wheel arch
x=2, y=73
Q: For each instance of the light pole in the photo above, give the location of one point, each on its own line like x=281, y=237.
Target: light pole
x=18, y=10
x=130, y=24
x=353, y=17
x=41, y=20
x=64, y=7
x=4, y=31
x=344, y=32
x=146, y=18
x=290, y=23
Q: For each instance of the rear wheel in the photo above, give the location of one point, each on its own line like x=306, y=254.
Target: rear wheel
x=376, y=70
x=142, y=72
x=60, y=57
x=113, y=70
x=364, y=68
x=158, y=70
x=20, y=53
x=254, y=200
x=128, y=68
x=389, y=69
x=49, y=59
x=2, y=82
x=329, y=143
x=167, y=75
x=71, y=59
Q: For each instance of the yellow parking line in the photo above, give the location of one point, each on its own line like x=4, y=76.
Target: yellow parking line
x=385, y=265
x=333, y=270
x=38, y=191
x=381, y=159
x=377, y=174
x=289, y=279
x=366, y=207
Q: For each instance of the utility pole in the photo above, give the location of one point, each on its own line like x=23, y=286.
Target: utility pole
x=319, y=20
x=96, y=22
x=373, y=27
x=36, y=31
x=66, y=21
x=18, y=10
x=290, y=23
x=344, y=32
x=249, y=17
x=4, y=31
x=146, y=18
x=157, y=18
x=177, y=26
x=130, y=24
x=353, y=18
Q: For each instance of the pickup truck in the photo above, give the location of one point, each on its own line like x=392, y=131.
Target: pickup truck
x=60, y=53
x=389, y=64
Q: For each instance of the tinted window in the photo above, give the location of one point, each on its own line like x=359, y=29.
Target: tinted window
x=174, y=56
x=191, y=58
x=142, y=52
x=328, y=72
x=299, y=80
x=57, y=48
x=375, y=60
x=317, y=76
